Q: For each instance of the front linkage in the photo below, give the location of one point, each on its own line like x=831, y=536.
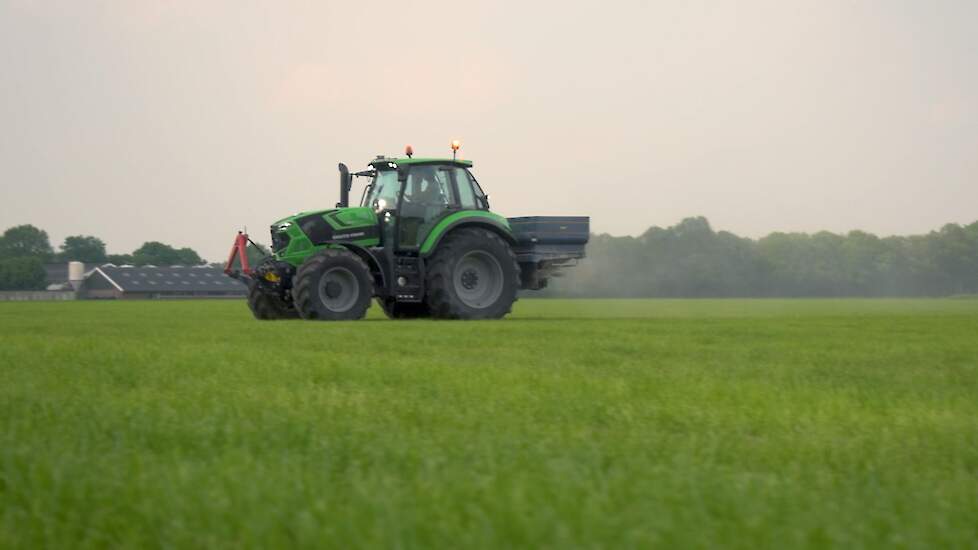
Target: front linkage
x=269, y=283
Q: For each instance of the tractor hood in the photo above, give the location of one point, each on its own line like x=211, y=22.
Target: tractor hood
x=295, y=236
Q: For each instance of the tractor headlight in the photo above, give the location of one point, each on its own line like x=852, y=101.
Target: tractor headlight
x=284, y=226
x=380, y=205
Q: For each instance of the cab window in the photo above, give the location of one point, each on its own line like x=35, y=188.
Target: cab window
x=480, y=196
x=382, y=193
x=429, y=186
x=428, y=195
x=467, y=197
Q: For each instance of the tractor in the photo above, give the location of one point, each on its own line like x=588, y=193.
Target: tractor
x=422, y=241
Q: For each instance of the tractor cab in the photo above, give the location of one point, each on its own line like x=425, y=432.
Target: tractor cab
x=410, y=196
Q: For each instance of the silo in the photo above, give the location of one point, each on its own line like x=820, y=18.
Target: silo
x=76, y=274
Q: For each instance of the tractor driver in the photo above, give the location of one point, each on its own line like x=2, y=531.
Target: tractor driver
x=427, y=190
x=425, y=199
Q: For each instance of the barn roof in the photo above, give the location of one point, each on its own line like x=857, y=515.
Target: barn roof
x=177, y=279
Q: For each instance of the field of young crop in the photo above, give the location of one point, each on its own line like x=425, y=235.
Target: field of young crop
x=740, y=423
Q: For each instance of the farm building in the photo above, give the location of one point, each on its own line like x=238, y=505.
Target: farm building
x=64, y=276
x=126, y=282
x=56, y=276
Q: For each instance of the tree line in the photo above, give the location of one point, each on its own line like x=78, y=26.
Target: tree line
x=686, y=260
x=25, y=249
x=690, y=259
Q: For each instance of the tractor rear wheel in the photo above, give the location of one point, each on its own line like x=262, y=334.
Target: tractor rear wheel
x=332, y=285
x=266, y=307
x=472, y=275
x=395, y=310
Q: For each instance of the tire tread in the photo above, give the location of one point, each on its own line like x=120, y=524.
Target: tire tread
x=304, y=289
x=266, y=307
x=441, y=302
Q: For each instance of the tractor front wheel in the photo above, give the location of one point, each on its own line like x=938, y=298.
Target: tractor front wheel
x=472, y=275
x=266, y=307
x=332, y=285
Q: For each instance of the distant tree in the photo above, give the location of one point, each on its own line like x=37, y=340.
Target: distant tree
x=25, y=241
x=81, y=248
x=690, y=259
x=119, y=259
x=187, y=256
x=953, y=249
x=154, y=253
x=23, y=273
x=157, y=253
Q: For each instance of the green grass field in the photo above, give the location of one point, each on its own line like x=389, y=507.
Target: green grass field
x=706, y=423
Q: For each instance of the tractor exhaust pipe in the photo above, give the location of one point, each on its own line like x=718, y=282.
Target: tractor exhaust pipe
x=346, y=182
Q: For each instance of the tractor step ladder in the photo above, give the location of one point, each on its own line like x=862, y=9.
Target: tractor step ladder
x=408, y=279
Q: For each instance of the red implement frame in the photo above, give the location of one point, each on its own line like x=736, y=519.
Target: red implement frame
x=240, y=249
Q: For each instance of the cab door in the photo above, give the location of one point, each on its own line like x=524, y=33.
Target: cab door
x=428, y=196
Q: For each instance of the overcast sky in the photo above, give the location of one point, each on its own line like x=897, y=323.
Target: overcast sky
x=184, y=121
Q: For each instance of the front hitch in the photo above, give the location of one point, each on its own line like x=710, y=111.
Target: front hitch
x=239, y=250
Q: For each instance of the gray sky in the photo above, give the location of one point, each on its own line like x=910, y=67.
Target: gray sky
x=183, y=121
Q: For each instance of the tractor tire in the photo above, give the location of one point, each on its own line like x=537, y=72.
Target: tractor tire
x=394, y=310
x=472, y=275
x=333, y=285
x=266, y=307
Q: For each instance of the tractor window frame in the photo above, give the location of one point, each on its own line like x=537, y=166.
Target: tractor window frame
x=478, y=197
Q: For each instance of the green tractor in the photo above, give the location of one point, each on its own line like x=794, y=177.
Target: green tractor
x=422, y=241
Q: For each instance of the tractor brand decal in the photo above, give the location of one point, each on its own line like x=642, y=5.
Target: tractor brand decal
x=350, y=235
x=370, y=232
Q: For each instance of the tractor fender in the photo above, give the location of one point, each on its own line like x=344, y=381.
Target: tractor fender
x=483, y=222
x=368, y=257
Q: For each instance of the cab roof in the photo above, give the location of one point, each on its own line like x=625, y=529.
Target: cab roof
x=414, y=161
